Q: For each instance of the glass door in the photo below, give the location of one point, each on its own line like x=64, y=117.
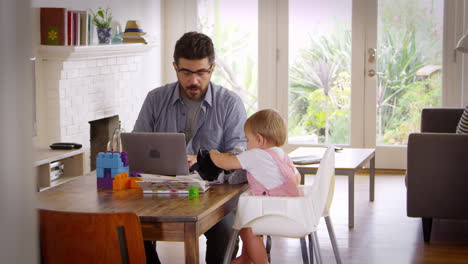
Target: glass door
x=319, y=99
x=354, y=73
x=403, y=73
x=361, y=71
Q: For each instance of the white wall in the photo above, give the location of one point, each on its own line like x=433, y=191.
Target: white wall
x=18, y=225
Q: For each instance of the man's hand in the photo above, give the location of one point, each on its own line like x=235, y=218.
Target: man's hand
x=192, y=159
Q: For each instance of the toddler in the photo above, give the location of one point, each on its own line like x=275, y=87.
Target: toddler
x=270, y=171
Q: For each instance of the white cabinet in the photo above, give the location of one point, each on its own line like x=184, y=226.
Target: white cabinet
x=46, y=159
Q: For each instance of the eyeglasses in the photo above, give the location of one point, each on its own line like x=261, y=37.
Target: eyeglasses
x=203, y=73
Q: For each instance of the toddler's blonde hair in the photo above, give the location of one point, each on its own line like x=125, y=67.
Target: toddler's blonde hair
x=269, y=124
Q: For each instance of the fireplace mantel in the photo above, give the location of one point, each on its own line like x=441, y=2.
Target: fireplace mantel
x=92, y=52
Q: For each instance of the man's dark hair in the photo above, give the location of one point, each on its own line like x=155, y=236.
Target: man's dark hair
x=194, y=46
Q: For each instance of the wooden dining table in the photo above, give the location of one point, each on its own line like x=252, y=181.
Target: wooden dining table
x=163, y=217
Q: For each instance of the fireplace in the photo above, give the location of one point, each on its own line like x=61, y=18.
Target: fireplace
x=101, y=131
x=86, y=90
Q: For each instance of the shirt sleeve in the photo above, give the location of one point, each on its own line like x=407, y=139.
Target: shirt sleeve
x=249, y=158
x=262, y=167
x=145, y=120
x=233, y=131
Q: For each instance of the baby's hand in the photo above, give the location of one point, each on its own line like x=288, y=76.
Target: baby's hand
x=192, y=159
x=224, y=160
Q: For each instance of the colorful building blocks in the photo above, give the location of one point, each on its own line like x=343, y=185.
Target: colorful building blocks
x=108, y=165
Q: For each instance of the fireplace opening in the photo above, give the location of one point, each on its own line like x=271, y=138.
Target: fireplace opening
x=100, y=134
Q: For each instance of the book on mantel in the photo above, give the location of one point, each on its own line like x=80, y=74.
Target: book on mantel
x=53, y=29
x=63, y=27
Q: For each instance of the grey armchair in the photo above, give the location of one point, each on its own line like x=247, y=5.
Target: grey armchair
x=437, y=173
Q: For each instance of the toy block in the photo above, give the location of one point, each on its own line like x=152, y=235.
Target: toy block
x=105, y=183
x=133, y=184
x=115, y=171
x=109, y=160
x=121, y=182
x=108, y=165
x=124, y=156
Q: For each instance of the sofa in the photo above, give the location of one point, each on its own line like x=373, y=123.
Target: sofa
x=437, y=169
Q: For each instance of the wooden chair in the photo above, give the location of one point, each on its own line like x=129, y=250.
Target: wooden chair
x=70, y=237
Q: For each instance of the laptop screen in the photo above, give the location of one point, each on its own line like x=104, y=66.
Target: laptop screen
x=156, y=153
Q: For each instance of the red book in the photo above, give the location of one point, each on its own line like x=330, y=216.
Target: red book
x=69, y=28
x=76, y=24
x=53, y=26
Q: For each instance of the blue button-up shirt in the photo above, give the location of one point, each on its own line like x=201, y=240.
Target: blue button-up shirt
x=220, y=122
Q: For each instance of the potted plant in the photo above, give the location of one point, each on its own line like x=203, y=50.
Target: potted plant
x=102, y=19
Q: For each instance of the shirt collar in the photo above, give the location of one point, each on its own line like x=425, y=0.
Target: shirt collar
x=208, y=96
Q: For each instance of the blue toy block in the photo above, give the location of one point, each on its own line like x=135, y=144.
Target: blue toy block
x=118, y=171
x=109, y=160
x=110, y=164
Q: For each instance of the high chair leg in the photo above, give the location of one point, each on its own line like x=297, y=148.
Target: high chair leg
x=268, y=247
x=305, y=258
x=311, y=249
x=230, y=247
x=316, y=248
x=331, y=233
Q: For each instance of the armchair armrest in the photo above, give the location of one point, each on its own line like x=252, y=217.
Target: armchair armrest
x=437, y=175
x=440, y=120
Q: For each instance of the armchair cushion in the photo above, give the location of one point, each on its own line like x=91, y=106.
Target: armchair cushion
x=440, y=120
x=462, y=127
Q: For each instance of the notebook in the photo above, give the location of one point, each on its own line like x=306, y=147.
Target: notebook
x=156, y=153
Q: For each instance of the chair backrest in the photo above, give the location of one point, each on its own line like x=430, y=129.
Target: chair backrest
x=323, y=187
x=70, y=237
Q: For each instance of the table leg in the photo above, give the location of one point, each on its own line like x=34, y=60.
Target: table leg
x=302, y=177
x=372, y=179
x=191, y=243
x=351, y=199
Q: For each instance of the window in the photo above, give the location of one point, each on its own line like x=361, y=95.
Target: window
x=233, y=27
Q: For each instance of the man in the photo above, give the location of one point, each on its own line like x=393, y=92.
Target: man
x=210, y=116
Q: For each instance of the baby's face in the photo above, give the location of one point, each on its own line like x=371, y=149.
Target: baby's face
x=252, y=140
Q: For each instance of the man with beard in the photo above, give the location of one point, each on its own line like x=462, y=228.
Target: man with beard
x=210, y=116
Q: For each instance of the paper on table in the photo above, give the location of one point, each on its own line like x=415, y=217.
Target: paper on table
x=152, y=183
x=309, y=159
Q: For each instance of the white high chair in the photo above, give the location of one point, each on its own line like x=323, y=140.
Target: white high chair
x=293, y=217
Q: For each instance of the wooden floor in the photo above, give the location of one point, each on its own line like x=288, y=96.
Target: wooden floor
x=382, y=233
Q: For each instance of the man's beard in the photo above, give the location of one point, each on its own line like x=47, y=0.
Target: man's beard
x=193, y=92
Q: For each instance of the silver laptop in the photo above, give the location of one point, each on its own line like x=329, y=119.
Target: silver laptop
x=156, y=153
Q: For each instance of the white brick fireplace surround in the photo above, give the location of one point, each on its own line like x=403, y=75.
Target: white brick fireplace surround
x=76, y=85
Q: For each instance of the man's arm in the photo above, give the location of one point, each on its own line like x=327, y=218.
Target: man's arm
x=225, y=160
x=192, y=159
x=233, y=131
x=145, y=120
